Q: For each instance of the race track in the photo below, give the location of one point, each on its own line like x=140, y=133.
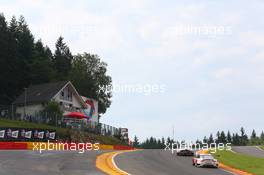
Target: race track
x=48, y=163
x=142, y=162
x=160, y=162
x=249, y=150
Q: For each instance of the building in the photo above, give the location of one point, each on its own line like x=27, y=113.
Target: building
x=34, y=99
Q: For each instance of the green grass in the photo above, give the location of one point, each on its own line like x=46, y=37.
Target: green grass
x=22, y=124
x=61, y=132
x=262, y=147
x=242, y=162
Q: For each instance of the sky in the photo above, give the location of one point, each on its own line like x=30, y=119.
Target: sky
x=204, y=60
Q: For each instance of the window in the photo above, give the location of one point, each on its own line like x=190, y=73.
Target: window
x=66, y=94
x=207, y=157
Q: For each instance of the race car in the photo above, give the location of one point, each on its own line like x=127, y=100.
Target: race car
x=204, y=160
x=185, y=152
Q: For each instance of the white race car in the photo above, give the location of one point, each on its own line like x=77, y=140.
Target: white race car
x=204, y=160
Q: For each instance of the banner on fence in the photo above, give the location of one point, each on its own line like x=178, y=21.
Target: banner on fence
x=22, y=134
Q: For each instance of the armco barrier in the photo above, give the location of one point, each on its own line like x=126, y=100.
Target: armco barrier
x=106, y=147
x=44, y=145
x=31, y=145
x=121, y=147
x=65, y=146
x=12, y=146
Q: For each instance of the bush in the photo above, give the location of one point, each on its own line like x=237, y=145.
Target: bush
x=53, y=111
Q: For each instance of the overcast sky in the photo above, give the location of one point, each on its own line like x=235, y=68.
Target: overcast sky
x=206, y=57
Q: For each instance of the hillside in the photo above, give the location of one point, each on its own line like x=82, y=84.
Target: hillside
x=64, y=133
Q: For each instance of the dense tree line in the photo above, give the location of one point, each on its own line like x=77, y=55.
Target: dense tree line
x=236, y=139
x=25, y=61
x=151, y=143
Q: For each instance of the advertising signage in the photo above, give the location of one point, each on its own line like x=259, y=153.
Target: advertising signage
x=23, y=134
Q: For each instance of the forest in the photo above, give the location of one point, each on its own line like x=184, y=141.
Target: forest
x=25, y=61
x=236, y=139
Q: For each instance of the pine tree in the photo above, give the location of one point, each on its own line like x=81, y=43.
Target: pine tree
x=229, y=137
x=262, y=137
x=9, y=88
x=243, y=137
x=236, y=139
x=13, y=27
x=169, y=141
x=254, y=139
x=4, y=58
x=41, y=67
x=155, y=143
x=62, y=59
x=253, y=135
x=222, y=137
x=205, y=140
x=163, y=142
x=147, y=143
x=211, y=139
x=159, y=144
x=218, y=139
x=198, y=142
x=135, y=142
x=25, y=45
x=24, y=48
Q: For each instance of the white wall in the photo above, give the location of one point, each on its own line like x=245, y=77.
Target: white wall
x=30, y=109
x=75, y=102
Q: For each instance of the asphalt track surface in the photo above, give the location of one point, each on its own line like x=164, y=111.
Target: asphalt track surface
x=249, y=150
x=160, y=162
x=51, y=163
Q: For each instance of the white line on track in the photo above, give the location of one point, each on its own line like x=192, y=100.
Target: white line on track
x=259, y=148
x=113, y=161
x=233, y=151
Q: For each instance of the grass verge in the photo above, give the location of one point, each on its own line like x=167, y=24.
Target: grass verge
x=61, y=132
x=242, y=162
